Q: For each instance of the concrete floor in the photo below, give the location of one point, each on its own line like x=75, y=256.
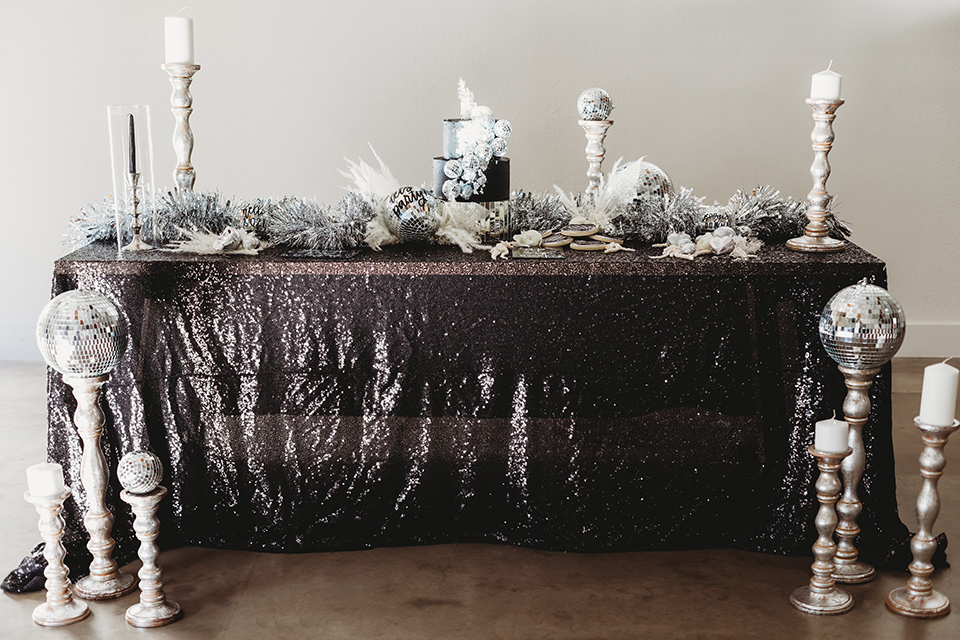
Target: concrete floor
x=476, y=591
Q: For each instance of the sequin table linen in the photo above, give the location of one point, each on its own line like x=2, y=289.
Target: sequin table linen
x=421, y=395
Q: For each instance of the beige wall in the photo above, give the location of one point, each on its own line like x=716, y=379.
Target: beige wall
x=711, y=91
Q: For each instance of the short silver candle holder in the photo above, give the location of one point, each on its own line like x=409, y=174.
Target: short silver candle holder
x=153, y=610
x=137, y=243
x=816, y=236
x=60, y=609
x=822, y=597
x=105, y=581
x=918, y=599
x=596, y=131
x=181, y=75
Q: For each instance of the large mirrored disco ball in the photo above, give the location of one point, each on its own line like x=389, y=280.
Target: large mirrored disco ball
x=651, y=182
x=82, y=334
x=413, y=214
x=862, y=326
x=140, y=472
x=594, y=104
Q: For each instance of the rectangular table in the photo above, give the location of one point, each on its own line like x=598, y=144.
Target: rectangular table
x=422, y=395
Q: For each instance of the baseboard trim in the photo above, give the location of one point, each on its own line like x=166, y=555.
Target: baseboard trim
x=931, y=341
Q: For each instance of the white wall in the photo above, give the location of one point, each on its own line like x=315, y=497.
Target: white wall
x=711, y=91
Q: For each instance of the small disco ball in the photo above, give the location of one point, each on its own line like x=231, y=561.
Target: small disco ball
x=502, y=129
x=652, y=181
x=413, y=214
x=594, y=104
x=140, y=472
x=82, y=334
x=714, y=216
x=499, y=147
x=862, y=326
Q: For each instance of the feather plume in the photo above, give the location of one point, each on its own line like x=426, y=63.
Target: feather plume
x=377, y=232
x=467, y=103
x=375, y=184
x=458, y=225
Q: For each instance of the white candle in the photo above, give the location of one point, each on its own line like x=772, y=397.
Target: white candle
x=938, y=400
x=831, y=436
x=45, y=479
x=178, y=39
x=825, y=85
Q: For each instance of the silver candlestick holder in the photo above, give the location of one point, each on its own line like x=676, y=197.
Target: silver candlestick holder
x=856, y=409
x=822, y=597
x=137, y=243
x=596, y=131
x=816, y=238
x=60, y=609
x=153, y=610
x=918, y=599
x=105, y=580
x=181, y=75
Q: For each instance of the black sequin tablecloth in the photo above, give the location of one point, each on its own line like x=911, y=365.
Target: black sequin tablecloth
x=421, y=395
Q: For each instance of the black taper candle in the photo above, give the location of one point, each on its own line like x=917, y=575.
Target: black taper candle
x=133, y=147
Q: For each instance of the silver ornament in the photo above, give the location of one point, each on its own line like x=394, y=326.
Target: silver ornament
x=140, y=472
x=652, y=182
x=594, y=104
x=469, y=176
x=499, y=147
x=487, y=122
x=412, y=214
x=81, y=334
x=484, y=153
x=470, y=162
x=862, y=326
x=466, y=190
x=453, y=169
x=451, y=190
x=502, y=129
x=478, y=182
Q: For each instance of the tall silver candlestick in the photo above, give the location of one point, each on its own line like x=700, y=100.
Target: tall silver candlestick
x=822, y=597
x=918, y=599
x=154, y=610
x=862, y=327
x=83, y=335
x=60, y=609
x=105, y=580
x=136, y=244
x=181, y=75
x=596, y=131
x=816, y=238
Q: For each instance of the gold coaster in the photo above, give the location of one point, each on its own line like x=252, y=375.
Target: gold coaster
x=579, y=230
x=588, y=245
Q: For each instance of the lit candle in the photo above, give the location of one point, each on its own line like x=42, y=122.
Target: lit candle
x=825, y=85
x=831, y=436
x=45, y=480
x=938, y=399
x=178, y=39
x=133, y=147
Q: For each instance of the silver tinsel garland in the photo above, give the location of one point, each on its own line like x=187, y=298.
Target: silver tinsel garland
x=307, y=224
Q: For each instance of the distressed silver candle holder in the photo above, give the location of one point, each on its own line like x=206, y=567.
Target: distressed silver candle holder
x=105, y=580
x=596, y=131
x=153, y=610
x=181, y=75
x=816, y=238
x=137, y=243
x=918, y=599
x=822, y=597
x=60, y=609
x=856, y=408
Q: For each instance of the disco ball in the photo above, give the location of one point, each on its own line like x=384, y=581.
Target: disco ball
x=140, y=472
x=862, y=326
x=413, y=214
x=81, y=334
x=652, y=181
x=594, y=104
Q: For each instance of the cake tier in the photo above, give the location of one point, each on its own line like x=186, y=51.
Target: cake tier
x=451, y=130
x=496, y=189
